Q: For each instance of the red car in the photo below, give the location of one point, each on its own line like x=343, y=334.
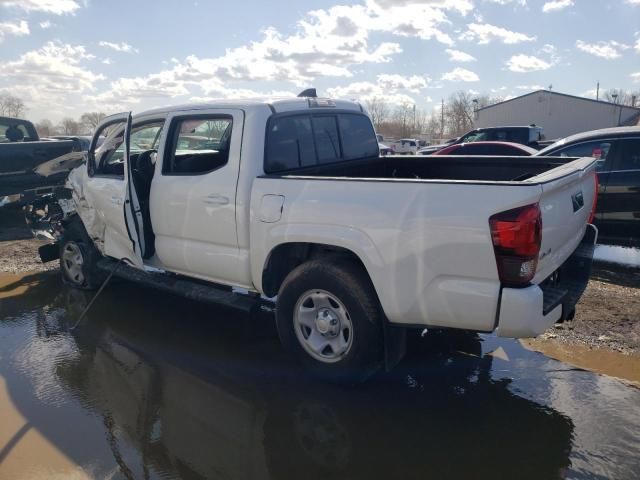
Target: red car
x=488, y=148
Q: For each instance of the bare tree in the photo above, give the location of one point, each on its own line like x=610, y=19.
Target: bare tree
x=459, y=111
x=90, y=120
x=378, y=110
x=70, y=127
x=622, y=97
x=11, y=106
x=403, y=119
x=45, y=128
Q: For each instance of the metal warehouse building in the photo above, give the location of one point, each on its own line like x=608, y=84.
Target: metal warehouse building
x=558, y=113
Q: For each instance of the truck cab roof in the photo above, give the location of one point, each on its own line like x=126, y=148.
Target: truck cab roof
x=277, y=105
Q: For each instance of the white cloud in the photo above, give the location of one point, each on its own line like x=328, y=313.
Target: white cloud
x=462, y=6
x=45, y=25
x=392, y=89
x=485, y=33
x=395, y=82
x=326, y=43
x=119, y=47
x=637, y=45
x=15, y=29
x=507, y=2
x=529, y=87
x=527, y=63
x=608, y=50
x=635, y=77
x=57, y=7
x=243, y=93
x=556, y=5
x=461, y=75
x=458, y=56
x=52, y=79
x=51, y=71
x=633, y=2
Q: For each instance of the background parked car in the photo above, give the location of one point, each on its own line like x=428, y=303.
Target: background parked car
x=618, y=153
x=385, y=149
x=488, y=148
x=431, y=149
x=405, y=146
x=528, y=135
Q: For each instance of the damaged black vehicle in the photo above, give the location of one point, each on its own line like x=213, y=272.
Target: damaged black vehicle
x=31, y=166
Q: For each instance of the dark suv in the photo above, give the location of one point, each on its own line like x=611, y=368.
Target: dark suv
x=618, y=153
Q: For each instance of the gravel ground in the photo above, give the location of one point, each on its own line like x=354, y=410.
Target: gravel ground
x=18, y=248
x=608, y=315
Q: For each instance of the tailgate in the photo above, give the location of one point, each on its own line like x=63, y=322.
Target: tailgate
x=567, y=198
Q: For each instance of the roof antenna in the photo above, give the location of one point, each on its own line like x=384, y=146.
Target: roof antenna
x=309, y=92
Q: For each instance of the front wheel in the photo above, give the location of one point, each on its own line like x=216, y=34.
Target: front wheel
x=329, y=318
x=78, y=264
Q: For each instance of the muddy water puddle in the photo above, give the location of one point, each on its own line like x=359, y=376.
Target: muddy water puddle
x=155, y=386
x=615, y=364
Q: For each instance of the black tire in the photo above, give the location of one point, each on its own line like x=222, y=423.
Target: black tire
x=347, y=281
x=75, y=239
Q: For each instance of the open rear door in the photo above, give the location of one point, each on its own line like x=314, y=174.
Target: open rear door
x=132, y=213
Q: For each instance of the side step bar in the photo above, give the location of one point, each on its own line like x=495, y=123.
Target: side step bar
x=183, y=286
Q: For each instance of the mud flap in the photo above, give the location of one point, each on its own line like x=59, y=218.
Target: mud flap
x=49, y=252
x=395, y=345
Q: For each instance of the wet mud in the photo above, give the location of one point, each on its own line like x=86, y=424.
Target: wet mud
x=154, y=386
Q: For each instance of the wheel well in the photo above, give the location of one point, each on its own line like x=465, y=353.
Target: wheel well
x=75, y=230
x=284, y=258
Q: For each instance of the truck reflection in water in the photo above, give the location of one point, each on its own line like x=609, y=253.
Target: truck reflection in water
x=183, y=390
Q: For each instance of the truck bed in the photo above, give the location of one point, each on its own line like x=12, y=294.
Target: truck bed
x=420, y=225
x=477, y=168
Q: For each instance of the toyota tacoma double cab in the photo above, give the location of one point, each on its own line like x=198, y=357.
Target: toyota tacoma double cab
x=288, y=202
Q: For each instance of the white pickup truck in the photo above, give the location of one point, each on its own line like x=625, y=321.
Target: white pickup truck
x=238, y=202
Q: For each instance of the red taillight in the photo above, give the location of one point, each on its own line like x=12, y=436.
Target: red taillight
x=595, y=198
x=516, y=236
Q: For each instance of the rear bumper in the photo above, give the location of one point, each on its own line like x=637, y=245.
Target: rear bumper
x=527, y=312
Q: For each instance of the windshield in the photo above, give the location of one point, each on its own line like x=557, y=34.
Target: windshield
x=551, y=147
x=475, y=137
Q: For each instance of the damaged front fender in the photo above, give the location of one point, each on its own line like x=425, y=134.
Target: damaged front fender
x=93, y=224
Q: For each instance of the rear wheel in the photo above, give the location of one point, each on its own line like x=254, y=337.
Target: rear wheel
x=329, y=318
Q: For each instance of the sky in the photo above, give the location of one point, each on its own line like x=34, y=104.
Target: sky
x=66, y=57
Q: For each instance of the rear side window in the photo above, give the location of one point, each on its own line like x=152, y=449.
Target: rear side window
x=472, y=150
x=290, y=144
x=629, y=157
x=297, y=141
x=199, y=145
x=597, y=149
x=14, y=132
x=358, y=137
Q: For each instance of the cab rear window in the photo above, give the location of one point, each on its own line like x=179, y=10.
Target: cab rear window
x=304, y=140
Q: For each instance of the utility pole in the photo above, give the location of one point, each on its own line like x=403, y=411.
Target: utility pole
x=598, y=91
x=414, y=117
x=442, y=120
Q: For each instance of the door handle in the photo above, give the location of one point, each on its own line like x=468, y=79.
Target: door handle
x=216, y=200
x=116, y=200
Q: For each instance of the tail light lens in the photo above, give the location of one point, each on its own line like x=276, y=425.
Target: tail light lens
x=516, y=236
x=595, y=197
